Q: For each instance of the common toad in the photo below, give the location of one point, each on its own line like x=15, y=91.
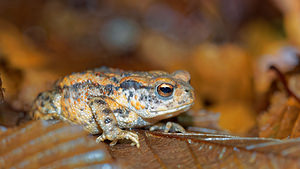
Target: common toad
x=109, y=101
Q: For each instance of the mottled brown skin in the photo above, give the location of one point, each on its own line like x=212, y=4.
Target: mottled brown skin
x=108, y=101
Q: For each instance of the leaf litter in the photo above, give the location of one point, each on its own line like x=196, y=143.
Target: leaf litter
x=46, y=145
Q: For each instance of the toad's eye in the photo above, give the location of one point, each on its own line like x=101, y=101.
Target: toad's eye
x=165, y=90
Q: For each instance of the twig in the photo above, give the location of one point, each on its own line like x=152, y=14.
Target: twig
x=283, y=80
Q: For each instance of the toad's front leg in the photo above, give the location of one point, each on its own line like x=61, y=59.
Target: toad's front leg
x=108, y=123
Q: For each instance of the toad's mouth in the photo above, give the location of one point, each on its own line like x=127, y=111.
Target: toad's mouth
x=159, y=115
x=180, y=109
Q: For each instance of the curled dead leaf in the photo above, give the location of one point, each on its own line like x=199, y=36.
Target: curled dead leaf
x=282, y=120
x=1, y=92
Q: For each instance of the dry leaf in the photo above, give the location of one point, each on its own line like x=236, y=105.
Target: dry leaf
x=195, y=150
x=282, y=119
x=223, y=72
x=202, y=118
x=20, y=52
x=40, y=144
x=45, y=145
x=291, y=12
x=283, y=56
x=1, y=92
x=237, y=117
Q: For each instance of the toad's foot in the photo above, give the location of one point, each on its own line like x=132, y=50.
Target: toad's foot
x=108, y=123
x=119, y=134
x=169, y=127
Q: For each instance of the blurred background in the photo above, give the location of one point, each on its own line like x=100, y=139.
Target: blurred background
x=226, y=45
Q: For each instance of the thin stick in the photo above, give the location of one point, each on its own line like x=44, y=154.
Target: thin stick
x=284, y=82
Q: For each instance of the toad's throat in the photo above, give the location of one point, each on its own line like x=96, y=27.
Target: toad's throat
x=159, y=115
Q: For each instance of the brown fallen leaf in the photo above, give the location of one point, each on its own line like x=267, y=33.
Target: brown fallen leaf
x=40, y=144
x=226, y=68
x=196, y=150
x=201, y=118
x=46, y=145
x=291, y=11
x=1, y=92
x=282, y=120
x=8, y=116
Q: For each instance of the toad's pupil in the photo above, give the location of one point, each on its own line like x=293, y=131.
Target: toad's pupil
x=166, y=89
